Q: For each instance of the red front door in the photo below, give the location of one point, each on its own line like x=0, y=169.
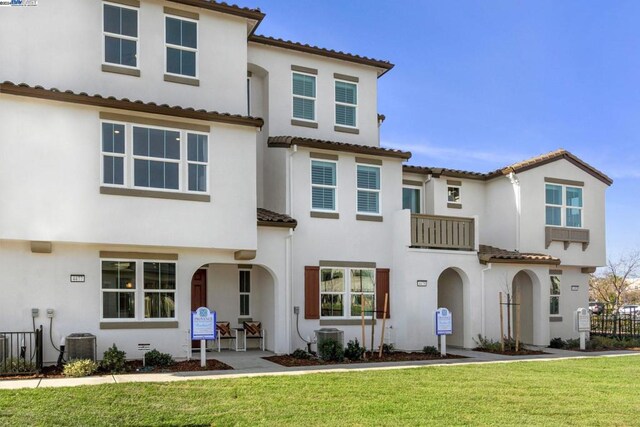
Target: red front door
x=198, y=295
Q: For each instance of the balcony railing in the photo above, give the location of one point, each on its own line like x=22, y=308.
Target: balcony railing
x=442, y=232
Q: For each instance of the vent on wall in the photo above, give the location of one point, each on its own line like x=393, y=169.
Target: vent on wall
x=81, y=346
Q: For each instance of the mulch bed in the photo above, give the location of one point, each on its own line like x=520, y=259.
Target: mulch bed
x=396, y=356
x=521, y=352
x=132, y=367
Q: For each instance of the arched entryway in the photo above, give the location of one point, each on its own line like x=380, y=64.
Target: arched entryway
x=451, y=296
x=237, y=293
x=522, y=286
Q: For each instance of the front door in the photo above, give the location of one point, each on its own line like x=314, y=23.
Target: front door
x=198, y=295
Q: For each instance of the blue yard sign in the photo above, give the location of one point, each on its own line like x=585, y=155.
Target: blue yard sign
x=203, y=324
x=444, y=322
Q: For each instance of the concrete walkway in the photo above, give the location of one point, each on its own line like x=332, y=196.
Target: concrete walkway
x=251, y=363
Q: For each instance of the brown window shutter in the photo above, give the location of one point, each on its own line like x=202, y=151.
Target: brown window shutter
x=382, y=288
x=311, y=292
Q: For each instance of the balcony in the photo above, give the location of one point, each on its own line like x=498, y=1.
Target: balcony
x=442, y=232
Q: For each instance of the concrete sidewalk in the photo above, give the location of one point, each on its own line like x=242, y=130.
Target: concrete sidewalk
x=251, y=363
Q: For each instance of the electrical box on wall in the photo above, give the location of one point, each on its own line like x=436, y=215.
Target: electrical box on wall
x=35, y=312
x=49, y=312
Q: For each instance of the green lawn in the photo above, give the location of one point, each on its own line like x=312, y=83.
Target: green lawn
x=597, y=391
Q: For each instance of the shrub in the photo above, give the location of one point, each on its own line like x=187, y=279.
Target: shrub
x=557, y=343
x=17, y=366
x=331, y=350
x=157, y=359
x=300, y=354
x=430, y=350
x=488, y=344
x=354, y=351
x=387, y=348
x=80, y=368
x=113, y=360
x=572, y=343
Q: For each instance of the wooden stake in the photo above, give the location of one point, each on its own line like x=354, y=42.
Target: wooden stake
x=509, y=317
x=373, y=326
x=364, y=343
x=518, y=319
x=384, y=317
x=501, y=323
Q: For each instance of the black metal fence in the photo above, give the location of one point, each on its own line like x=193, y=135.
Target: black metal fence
x=617, y=324
x=20, y=352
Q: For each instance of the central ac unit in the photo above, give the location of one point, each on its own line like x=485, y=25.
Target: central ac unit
x=81, y=346
x=325, y=334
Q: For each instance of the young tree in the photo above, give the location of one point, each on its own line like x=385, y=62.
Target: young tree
x=611, y=286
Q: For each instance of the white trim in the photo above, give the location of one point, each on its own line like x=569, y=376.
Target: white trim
x=563, y=206
x=124, y=156
x=355, y=106
x=179, y=47
x=240, y=293
x=414, y=187
x=334, y=187
x=179, y=162
x=378, y=191
x=314, y=99
x=459, y=187
x=121, y=36
x=188, y=162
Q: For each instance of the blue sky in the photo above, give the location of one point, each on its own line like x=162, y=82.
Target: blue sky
x=481, y=84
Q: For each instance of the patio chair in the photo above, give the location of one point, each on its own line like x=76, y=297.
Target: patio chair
x=254, y=331
x=223, y=332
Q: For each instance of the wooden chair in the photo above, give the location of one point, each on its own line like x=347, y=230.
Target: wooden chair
x=223, y=332
x=253, y=330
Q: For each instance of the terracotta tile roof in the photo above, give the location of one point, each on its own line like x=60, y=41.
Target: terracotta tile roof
x=223, y=7
x=488, y=254
x=516, y=167
x=288, y=44
x=274, y=219
x=97, y=100
x=287, y=141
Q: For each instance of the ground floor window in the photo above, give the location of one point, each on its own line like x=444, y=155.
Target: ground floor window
x=245, y=292
x=343, y=290
x=122, y=298
x=554, y=292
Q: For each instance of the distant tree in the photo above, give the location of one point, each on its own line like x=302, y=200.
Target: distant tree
x=612, y=285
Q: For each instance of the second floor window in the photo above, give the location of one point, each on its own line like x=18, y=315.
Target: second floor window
x=304, y=96
x=156, y=154
x=120, y=29
x=453, y=194
x=323, y=185
x=368, y=182
x=411, y=199
x=181, y=37
x=346, y=103
x=563, y=205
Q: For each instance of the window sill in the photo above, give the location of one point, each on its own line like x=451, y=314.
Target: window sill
x=108, y=68
x=326, y=215
x=566, y=235
x=304, y=123
x=140, y=325
x=555, y=318
x=346, y=322
x=115, y=191
x=373, y=218
x=454, y=205
x=345, y=129
x=182, y=80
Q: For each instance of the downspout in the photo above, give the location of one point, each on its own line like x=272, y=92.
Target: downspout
x=516, y=192
x=289, y=205
x=483, y=302
x=424, y=193
x=288, y=268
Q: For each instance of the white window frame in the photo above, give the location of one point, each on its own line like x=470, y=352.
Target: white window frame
x=139, y=292
x=415, y=187
x=378, y=191
x=240, y=293
x=185, y=135
x=459, y=187
x=178, y=47
x=180, y=161
x=314, y=99
x=334, y=187
x=124, y=156
x=563, y=205
x=121, y=36
x=347, y=293
x=558, y=295
x=355, y=106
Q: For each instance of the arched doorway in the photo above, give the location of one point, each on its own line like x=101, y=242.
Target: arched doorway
x=522, y=286
x=451, y=296
x=237, y=293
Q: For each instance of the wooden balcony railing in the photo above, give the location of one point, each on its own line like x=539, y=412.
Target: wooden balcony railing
x=442, y=232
